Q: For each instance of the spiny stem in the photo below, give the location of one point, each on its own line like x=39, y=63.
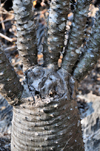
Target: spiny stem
x=76, y=35
x=92, y=52
x=56, y=29
x=26, y=32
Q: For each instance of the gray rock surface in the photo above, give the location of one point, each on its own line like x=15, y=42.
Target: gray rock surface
x=90, y=120
x=5, y=124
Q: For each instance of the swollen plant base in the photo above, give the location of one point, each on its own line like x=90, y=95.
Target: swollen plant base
x=50, y=121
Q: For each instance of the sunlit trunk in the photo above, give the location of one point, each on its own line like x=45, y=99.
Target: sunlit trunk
x=47, y=124
x=51, y=121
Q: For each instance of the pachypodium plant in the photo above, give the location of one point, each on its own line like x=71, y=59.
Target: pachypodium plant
x=45, y=114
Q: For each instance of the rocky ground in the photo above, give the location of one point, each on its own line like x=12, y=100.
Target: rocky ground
x=89, y=106
x=5, y=124
x=91, y=122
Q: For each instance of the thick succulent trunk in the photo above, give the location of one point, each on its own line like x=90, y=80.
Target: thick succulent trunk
x=26, y=32
x=47, y=124
x=51, y=121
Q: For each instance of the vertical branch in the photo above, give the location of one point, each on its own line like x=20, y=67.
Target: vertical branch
x=93, y=51
x=26, y=32
x=56, y=29
x=10, y=87
x=45, y=45
x=76, y=35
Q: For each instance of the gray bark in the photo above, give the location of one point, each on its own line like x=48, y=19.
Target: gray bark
x=56, y=31
x=50, y=122
x=92, y=52
x=26, y=32
x=46, y=117
x=46, y=126
x=76, y=36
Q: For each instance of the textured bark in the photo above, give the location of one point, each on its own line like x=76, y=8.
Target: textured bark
x=56, y=31
x=26, y=32
x=46, y=117
x=47, y=126
x=76, y=36
x=40, y=36
x=45, y=45
x=92, y=52
x=10, y=87
x=51, y=121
